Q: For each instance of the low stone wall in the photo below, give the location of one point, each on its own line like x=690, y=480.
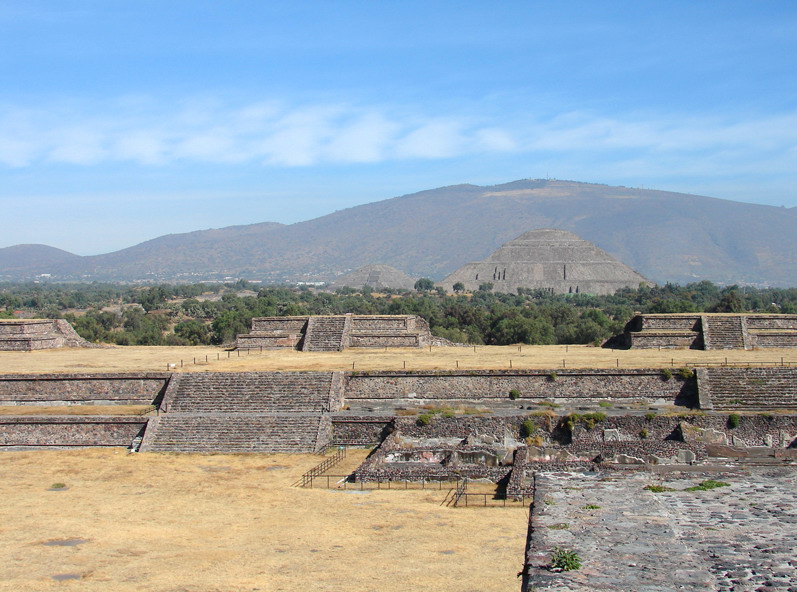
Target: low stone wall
x=381, y=340
x=359, y=430
x=268, y=341
x=773, y=339
x=71, y=389
x=70, y=431
x=478, y=385
x=661, y=340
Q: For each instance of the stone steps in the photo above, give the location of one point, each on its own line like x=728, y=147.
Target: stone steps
x=753, y=388
x=252, y=392
x=723, y=333
x=235, y=433
x=325, y=334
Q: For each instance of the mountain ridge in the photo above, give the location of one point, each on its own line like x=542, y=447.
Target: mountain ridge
x=666, y=236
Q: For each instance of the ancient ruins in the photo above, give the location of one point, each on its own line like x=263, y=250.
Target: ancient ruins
x=553, y=260
x=711, y=331
x=377, y=276
x=336, y=332
x=659, y=478
x=31, y=334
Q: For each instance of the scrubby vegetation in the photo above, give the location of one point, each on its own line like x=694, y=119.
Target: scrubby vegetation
x=197, y=314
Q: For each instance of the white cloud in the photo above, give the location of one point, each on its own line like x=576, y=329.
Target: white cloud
x=149, y=132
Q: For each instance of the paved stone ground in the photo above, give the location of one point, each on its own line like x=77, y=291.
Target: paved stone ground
x=737, y=538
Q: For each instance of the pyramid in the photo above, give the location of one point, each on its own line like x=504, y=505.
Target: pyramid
x=376, y=276
x=548, y=259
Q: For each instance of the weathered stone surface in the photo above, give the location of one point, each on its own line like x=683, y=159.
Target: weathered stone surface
x=32, y=334
x=548, y=259
x=693, y=433
x=740, y=537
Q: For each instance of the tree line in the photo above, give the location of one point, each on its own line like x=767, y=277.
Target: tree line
x=204, y=314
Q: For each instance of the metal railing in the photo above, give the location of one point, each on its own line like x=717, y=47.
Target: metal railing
x=318, y=470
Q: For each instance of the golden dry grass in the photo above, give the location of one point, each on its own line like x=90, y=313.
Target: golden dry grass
x=154, y=359
x=229, y=523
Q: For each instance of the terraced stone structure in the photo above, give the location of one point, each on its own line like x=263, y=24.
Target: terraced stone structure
x=336, y=332
x=711, y=331
x=378, y=277
x=33, y=334
x=552, y=260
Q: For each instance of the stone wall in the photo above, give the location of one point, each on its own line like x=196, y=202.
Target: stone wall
x=709, y=331
x=35, y=334
x=72, y=389
x=485, y=385
x=70, y=431
x=360, y=430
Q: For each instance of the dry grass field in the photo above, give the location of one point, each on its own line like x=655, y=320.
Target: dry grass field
x=209, y=359
x=229, y=523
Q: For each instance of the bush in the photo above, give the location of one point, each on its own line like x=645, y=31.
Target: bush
x=643, y=433
x=591, y=419
x=666, y=374
x=686, y=373
x=657, y=488
x=707, y=485
x=424, y=419
x=650, y=416
x=514, y=394
x=552, y=377
x=734, y=420
x=528, y=428
x=565, y=560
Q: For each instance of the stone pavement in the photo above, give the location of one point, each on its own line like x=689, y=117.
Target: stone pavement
x=737, y=538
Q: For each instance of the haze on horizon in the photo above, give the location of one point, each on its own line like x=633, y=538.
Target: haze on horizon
x=124, y=121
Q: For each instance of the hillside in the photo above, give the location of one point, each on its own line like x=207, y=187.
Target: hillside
x=664, y=236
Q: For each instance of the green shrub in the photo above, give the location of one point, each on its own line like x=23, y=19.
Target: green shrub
x=565, y=560
x=643, y=433
x=514, y=394
x=552, y=377
x=734, y=420
x=559, y=526
x=605, y=404
x=666, y=374
x=424, y=419
x=707, y=485
x=528, y=428
x=686, y=373
x=650, y=416
x=657, y=488
x=591, y=507
x=591, y=419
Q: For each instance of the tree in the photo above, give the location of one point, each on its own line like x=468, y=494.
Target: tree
x=486, y=287
x=458, y=287
x=424, y=285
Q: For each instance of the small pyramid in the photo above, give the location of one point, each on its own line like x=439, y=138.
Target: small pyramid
x=377, y=276
x=548, y=259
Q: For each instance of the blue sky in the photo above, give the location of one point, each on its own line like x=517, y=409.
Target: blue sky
x=121, y=121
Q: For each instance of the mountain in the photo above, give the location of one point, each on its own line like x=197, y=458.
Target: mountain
x=34, y=259
x=664, y=236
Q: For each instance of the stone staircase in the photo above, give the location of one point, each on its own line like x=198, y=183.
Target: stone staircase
x=325, y=334
x=251, y=392
x=723, y=332
x=751, y=388
x=237, y=433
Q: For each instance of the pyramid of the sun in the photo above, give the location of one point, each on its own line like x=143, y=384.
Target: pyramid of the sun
x=553, y=260
x=376, y=276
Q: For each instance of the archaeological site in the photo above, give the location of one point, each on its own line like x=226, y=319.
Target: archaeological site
x=644, y=474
